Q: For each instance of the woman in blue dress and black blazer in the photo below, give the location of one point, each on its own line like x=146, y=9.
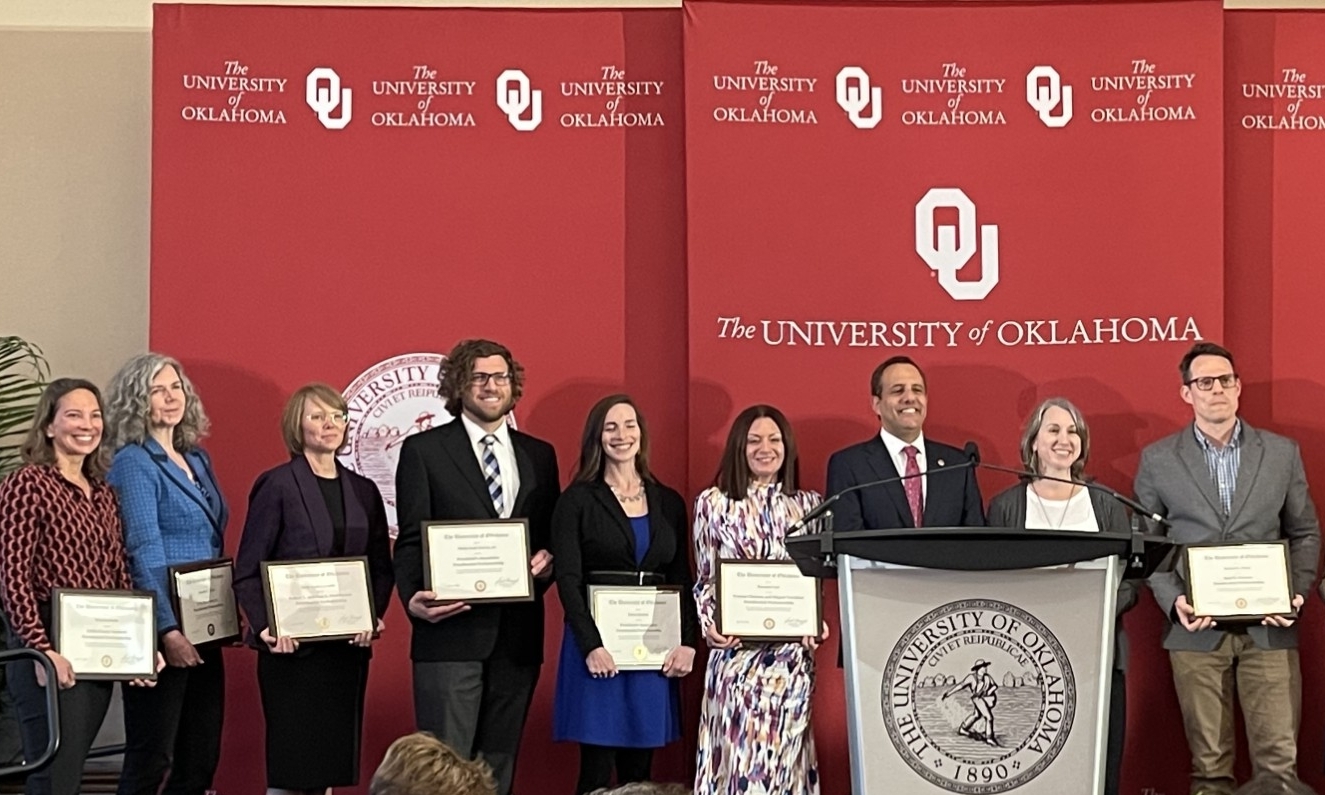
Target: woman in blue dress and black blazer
x=173, y=514
x=310, y=508
x=617, y=525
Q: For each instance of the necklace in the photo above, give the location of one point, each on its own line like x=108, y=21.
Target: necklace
x=625, y=498
x=1067, y=505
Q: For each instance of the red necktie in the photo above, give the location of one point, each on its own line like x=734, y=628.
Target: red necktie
x=912, y=483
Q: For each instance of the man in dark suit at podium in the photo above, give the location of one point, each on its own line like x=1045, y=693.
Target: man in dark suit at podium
x=475, y=665
x=931, y=497
x=1221, y=480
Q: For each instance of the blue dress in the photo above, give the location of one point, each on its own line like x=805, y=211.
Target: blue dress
x=634, y=709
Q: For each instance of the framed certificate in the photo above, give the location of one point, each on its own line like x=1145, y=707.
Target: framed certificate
x=478, y=561
x=639, y=625
x=203, y=596
x=767, y=600
x=1239, y=582
x=105, y=635
x=325, y=599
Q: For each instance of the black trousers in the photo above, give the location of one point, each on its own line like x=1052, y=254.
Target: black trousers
x=82, y=709
x=172, y=732
x=597, y=762
x=477, y=708
x=1117, y=731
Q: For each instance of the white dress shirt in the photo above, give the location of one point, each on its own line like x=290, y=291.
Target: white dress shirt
x=505, y=453
x=895, y=449
x=1076, y=513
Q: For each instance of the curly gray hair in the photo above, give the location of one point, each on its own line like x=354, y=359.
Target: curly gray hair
x=128, y=404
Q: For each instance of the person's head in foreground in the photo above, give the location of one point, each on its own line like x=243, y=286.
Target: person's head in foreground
x=420, y=764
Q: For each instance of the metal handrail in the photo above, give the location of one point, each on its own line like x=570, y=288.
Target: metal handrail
x=52, y=712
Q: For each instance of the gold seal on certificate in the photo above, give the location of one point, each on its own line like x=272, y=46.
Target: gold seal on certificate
x=767, y=600
x=640, y=625
x=326, y=599
x=105, y=634
x=204, y=600
x=1239, y=582
x=478, y=561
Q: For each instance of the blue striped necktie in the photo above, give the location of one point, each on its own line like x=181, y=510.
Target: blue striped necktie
x=492, y=473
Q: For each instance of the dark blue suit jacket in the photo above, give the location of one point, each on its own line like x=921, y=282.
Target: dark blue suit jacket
x=288, y=520
x=952, y=499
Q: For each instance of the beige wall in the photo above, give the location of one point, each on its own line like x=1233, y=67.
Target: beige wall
x=75, y=147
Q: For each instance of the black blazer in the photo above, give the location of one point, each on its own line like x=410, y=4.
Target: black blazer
x=952, y=499
x=288, y=520
x=1008, y=509
x=591, y=532
x=439, y=478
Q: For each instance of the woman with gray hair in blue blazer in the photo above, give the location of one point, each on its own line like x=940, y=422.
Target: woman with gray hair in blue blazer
x=173, y=514
x=1056, y=444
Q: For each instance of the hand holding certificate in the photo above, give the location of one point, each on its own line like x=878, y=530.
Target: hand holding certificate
x=482, y=561
x=639, y=625
x=1239, y=582
x=326, y=599
x=106, y=635
x=767, y=600
x=204, y=601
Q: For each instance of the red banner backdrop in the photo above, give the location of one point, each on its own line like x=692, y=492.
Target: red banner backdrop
x=333, y=188
x=1026, y=198
x=1274, y=166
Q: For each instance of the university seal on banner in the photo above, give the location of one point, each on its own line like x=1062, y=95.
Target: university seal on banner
x=978, y=697
x=388, y=403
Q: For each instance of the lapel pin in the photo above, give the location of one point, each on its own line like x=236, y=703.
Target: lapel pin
x=940, y=462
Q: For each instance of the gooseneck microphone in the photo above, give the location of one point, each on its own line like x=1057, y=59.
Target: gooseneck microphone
x=1137, y=508
x=970, y=451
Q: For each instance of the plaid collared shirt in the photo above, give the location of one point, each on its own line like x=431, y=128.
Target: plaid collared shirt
x=1223, y=462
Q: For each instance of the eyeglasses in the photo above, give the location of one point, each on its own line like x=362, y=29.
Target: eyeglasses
x=336, y=417
x=1207, y=383
x=481, y=379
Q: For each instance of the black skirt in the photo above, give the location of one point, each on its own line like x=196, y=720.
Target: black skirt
x=313, y=704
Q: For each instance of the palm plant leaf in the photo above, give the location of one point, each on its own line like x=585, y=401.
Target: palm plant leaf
x=23, y=375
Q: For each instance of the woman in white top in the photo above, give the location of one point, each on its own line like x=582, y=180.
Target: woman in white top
x=1056, y=444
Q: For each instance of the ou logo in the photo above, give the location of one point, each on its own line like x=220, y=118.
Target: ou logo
x=854, y=94
x=1046, y=96
x=947, y=248
x=323, y=94
x=515, y=96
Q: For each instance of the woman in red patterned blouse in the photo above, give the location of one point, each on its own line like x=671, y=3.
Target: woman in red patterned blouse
x=59, y=528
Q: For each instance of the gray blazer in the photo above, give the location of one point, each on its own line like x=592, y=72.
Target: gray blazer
x=1008, y=509
x=1270, y=501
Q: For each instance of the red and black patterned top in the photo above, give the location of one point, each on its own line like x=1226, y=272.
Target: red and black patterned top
x=52, y=535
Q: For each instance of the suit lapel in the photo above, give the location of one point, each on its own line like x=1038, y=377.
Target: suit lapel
x=1249, y=465
x=938, y=485
x=176, y=476
x=658, y=525
x=315, y=505
x=525, y=463
x=1193, y=458
x=457, y=446
x=608, y=500
x=882, y=465
x=356, y=513
x=215, y=503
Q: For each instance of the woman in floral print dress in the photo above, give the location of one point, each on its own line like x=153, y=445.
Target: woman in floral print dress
x=754, y=730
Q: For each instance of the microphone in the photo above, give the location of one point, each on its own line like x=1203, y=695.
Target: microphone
x=1137, y=508
x=970, y=451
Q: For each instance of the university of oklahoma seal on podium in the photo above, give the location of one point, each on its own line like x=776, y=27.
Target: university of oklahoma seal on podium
x=978, y=697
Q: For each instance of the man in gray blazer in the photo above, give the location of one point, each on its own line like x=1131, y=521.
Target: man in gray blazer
x=1220, y=480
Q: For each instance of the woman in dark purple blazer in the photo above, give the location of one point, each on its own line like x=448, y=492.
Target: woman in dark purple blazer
x=310, y=508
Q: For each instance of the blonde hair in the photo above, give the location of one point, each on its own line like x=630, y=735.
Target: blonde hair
x=421, y=764
x=292, y=419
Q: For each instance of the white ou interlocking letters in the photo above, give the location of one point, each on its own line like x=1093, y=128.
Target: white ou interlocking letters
x=1048, y=95
x=854, y=94
x=947, y=248
x=515, y=95
x=323, y=93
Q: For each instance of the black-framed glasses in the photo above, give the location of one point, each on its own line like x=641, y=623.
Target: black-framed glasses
x=481, y=379
x=1207, y=382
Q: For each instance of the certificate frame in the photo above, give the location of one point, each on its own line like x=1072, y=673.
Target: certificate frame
x=273, y=625
x=726, y=567
x=640, y=663
x=61, y=644
x=1198, y=591
x=230, y=631
x=525, y=581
